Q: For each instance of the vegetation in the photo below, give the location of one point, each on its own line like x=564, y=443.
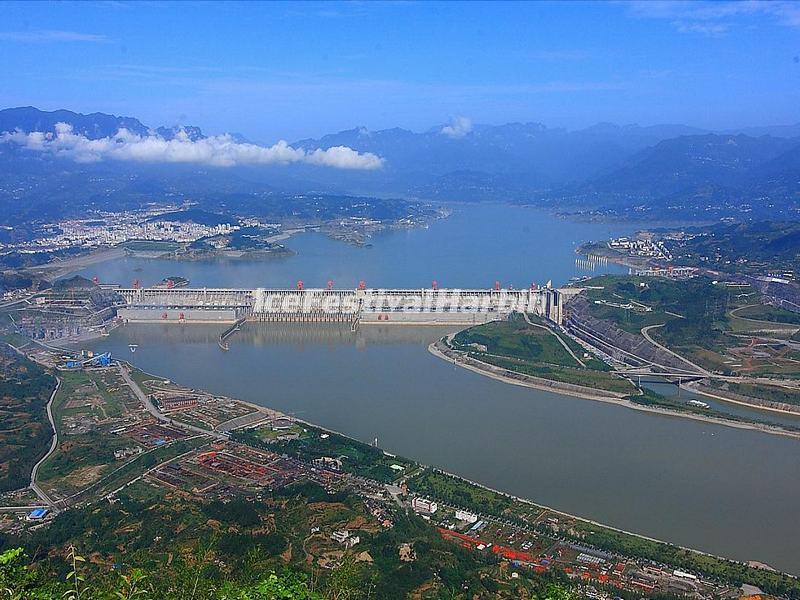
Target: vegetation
x=18, y=260
x=356, y=457
x=749, y=247
x=458, y=492
x=736, y=573
x=535, y=350
x=694, y=319
x=175, y=547
x=693, y=306
x=25, y=431
x=251, y=238
x=773, y=314
x=765, y=392
x=19, y=581
x=10, y=280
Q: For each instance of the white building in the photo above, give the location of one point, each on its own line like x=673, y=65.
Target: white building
x=340, y=536
x=343, y=537
x=463, y=515
x=424, y=506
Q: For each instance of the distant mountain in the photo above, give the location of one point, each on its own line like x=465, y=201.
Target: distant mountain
x=93, y=126
x=169, y=133
x=612, y=168
x=786, y=131
x=690, y=161
x=700, y=173
x=520, y=159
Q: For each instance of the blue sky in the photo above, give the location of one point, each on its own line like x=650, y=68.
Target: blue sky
x=294, y=70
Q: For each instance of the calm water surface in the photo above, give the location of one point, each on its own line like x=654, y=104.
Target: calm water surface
x=474, y=247
x=723, y=490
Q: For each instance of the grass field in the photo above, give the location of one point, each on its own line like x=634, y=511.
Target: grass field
x=356, y=457
x=460, y=493
x=88, y=405
x=535, y=350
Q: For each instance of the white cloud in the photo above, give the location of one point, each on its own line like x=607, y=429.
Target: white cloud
x=219, y=151
x=458, y=127
x=700, y=27
x=715, y=17
x=50, y=35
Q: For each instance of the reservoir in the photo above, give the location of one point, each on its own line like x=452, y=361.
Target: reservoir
x=727, y=491
x=473, y=248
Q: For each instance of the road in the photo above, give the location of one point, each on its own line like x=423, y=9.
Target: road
x=53, y=444
x=123, y=370
x=785, y=383
x=558, y=337
x=646, y=334
x=765, y=326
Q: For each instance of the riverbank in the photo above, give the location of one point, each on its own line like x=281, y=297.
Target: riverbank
x=61, y=268
x=721, y=396
x=638, y=545
x=586, y=532
x=601, y=250
x=439, y=350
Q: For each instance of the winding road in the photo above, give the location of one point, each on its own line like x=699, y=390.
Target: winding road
x=558, y=337
x=646, y=334
x=53, y=444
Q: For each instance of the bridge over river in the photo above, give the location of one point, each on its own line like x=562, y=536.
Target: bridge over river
x=325, y=305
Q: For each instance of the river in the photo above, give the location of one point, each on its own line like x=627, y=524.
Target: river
x=723, y=490
x=474, y=247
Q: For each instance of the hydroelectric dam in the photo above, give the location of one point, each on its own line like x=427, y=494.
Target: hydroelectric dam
x=422, y=306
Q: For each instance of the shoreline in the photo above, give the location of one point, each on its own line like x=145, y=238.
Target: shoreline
x=54, y=270
x=265, y=410
x=692, y=387
x=613, y=257
x=610, y=399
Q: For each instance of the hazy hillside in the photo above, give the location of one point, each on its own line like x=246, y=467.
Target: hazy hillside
x=93, y=126
x=520, y=159
x=706, y=173
x=675, y=169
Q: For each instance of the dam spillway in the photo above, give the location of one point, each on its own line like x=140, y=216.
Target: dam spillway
x=324, y=305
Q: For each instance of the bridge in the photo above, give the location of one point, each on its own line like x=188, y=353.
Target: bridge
x=327, y=305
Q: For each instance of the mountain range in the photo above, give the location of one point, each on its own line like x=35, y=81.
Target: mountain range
x=662, y=170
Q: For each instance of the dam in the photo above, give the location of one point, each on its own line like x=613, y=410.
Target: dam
x=422, y=306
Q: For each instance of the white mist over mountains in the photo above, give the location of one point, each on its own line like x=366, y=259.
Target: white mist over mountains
x=218, y=150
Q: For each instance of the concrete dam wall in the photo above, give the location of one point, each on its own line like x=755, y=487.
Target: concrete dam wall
x=383, y=306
